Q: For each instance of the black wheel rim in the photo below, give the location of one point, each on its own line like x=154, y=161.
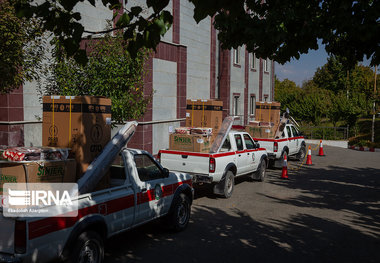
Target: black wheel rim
x=230, y=184
x=182, y=213
x=90, y=252
x=262, y=171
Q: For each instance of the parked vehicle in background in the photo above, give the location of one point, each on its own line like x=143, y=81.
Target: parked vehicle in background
x=290, y=143
x=238, y=155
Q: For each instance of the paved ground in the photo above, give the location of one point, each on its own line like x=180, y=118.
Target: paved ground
x=328, y=212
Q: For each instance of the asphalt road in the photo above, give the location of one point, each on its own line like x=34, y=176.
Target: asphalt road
x=328, y=212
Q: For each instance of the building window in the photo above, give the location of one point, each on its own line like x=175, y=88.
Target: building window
x=266, y=65
x=253, y=61
x=237, y=56
x=252, y=108
x=236, y=105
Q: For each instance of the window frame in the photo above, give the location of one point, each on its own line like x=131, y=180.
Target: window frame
x=253, y=61
x=236, y=56
x=237, y=146
x=153, y=162
x=235, y=105
x=252, y=108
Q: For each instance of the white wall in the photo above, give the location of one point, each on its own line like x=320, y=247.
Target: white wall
x=168, y=37
x=94, y=18
x=197, y=38
x=164, y=101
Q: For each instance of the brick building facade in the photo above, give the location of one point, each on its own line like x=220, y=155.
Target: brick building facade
x=188, y=64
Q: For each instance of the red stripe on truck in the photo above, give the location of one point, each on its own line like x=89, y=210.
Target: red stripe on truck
x=214, y=155
x=277, y=140
x=52, y=224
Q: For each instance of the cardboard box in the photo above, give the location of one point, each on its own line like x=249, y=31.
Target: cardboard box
x=181, y=142
x=268, y=111
x=202, y=144
x=82, y=123
x=37, y=172
x=204, y=113
x=261, y=131
x=190, y=142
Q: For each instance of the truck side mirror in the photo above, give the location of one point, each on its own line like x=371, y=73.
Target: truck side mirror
x=257, y=144
x=166, y=172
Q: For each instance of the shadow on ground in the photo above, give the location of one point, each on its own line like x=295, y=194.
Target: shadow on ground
x=231, y=235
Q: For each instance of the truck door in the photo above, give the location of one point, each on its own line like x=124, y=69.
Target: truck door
x=291, y=140
x=297, y=141
x=241, y=155
x=251, y=160
x=151, y=199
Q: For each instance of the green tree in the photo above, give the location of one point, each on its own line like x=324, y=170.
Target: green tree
x=110, y=72
x=289, y=94
x=280, y=30
x=21, y=48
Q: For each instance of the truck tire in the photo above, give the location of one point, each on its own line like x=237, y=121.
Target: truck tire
x=179, y=217
x=302, y=153
x=228, y=186
x=89, y=247
x=261, y=171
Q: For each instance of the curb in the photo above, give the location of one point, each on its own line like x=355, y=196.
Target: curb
x=365, y=149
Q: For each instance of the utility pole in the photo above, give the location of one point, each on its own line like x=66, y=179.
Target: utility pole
x=374, y=107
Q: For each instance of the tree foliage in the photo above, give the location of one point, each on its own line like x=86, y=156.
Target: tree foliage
x=21, y=48
x=109, y=72
x=278, y=29
x=335, y=92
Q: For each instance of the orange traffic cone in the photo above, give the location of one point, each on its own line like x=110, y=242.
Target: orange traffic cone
x=308, y=160
x=284, y=174
x=321, y=149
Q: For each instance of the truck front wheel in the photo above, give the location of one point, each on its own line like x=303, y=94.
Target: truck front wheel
x=302, y=153
x=260, y=174
x=89, y=248
x=228, y=184
x=178, y=218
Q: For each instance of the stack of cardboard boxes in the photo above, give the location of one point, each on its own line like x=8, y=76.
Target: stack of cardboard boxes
x=81, y=123
x=267, y=120
x=203, y=121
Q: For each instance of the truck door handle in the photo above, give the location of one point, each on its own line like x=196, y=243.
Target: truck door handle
x=247, y=153
x=239, y=155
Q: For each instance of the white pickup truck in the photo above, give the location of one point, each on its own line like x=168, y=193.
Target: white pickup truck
x=141, y=190
x=290, y=143
x=238, y=155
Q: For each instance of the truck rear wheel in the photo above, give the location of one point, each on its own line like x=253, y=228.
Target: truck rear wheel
x=89, y=248
x=228, y=184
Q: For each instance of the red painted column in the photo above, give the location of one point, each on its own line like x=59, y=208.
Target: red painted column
x=272, y=95
x=12, y=109
x=143, y=137
x=261, y=80
x=176, y=21
x=181, y=82
x=225, y=79
x=246, y=81
x=213, y=61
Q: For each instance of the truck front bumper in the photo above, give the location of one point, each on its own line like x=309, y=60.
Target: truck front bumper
x=201, y=178
x=8, y=258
